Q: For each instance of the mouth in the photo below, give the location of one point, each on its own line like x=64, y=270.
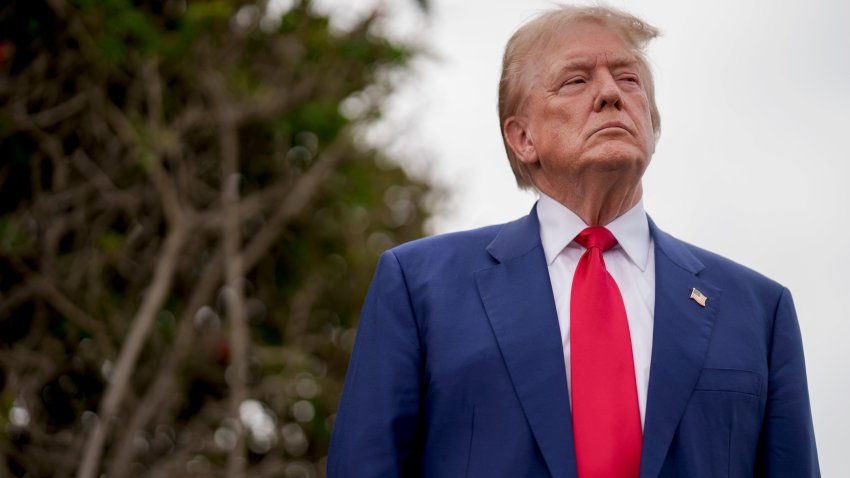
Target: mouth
x=612, y=126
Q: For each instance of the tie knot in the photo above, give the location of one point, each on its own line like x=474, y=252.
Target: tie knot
x=596, y=236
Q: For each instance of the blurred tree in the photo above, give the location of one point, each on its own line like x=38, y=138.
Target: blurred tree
x=188, y=226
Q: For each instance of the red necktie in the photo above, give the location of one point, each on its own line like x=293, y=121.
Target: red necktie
x=606, y=418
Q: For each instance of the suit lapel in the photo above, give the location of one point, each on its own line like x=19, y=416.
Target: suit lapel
x=517, y=297
x=680, y=339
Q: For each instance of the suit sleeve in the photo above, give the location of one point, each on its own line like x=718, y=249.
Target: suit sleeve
x=787, y=447
x=376, y=429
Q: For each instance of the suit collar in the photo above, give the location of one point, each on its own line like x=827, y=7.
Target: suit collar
x=674, y=249
x=516, y=238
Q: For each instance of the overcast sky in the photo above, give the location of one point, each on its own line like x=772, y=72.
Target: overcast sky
x=752, y=162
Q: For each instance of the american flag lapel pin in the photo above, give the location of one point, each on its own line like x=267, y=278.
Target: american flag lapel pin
x=698, y=297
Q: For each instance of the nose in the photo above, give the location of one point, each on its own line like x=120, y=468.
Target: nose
x=608, y=95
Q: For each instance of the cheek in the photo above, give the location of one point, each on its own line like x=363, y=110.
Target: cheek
x=650, y=132
x=560, y=121
x=556, y=135
x=643, y=120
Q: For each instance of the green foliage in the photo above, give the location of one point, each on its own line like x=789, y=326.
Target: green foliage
x=124, y=29
x=12, y=236
x=322, y=118
x=113, y=135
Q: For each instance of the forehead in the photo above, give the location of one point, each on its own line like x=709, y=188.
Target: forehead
x=583, y=44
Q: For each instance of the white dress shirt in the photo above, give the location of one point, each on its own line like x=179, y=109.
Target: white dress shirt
x=631, y=263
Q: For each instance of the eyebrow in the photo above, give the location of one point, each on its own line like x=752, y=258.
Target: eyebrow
x=614, y=60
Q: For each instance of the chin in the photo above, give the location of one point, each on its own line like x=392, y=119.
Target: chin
x=618, y=160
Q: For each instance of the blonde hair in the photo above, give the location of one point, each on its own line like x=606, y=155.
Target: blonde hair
x=540, y=30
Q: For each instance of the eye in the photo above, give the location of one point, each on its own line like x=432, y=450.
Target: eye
x=629, y=79
x=573, y=82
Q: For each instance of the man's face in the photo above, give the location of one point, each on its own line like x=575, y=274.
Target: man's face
x=586, y=110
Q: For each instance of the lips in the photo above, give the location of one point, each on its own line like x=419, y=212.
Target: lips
x=612, y=124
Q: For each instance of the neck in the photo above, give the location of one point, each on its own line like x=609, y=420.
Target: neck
x=598, y=205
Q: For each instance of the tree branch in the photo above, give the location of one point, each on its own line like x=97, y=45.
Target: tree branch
x=14, y=298
x=233, y=271
x=140, y=328
x=47, y=291
x=152, y=401
x=303, y=191
x=61, y=112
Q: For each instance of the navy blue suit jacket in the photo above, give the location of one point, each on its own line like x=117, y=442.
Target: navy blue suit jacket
x=458, y=368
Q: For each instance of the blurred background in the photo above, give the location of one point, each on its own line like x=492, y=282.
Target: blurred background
x=189, y=222
x=193, y=196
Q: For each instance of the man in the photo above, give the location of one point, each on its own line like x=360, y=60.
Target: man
x=581, y=340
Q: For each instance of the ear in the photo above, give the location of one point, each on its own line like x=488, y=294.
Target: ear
x=519, y=139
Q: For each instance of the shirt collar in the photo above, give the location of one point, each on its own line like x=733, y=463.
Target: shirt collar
x=559, y=226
